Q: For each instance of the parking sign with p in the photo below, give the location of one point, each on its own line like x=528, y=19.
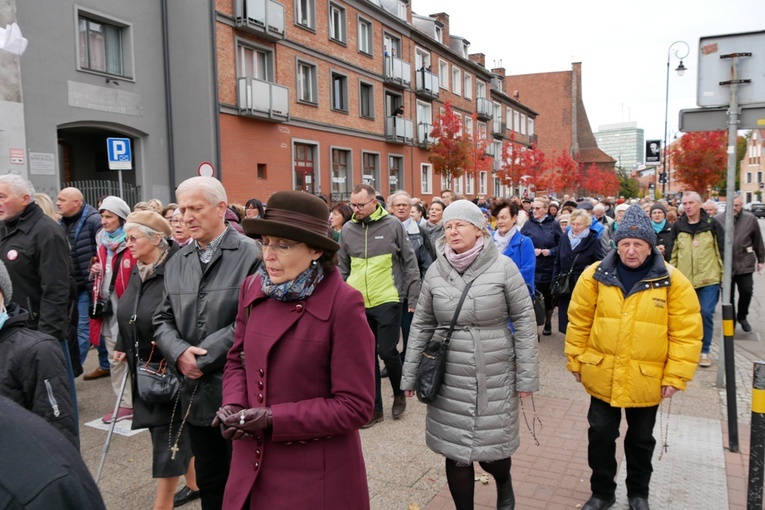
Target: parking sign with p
x=119, y=153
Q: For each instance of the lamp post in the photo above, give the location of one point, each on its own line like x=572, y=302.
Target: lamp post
x=680, y=71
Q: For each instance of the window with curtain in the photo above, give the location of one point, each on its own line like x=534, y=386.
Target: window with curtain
x=100, y=46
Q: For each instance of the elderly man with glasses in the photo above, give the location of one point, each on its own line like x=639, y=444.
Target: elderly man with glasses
x=377, y=259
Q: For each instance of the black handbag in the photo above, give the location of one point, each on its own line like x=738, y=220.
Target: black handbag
x=430, y=372
x=561, y=285
x=538, y=300
x=156, y=385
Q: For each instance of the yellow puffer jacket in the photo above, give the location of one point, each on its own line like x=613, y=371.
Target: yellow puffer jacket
x=627, y=348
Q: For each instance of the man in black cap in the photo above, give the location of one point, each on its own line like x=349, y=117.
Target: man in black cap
x=633, y=339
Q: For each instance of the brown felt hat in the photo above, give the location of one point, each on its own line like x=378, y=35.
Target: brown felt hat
x=150, y=219
x=294, y=215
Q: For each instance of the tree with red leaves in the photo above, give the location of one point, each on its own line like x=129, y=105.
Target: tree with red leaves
x=450, y=154
x=510, y=170
x=564, y=174
x=700, y=159
x=478, y=160
x=533, y=165
x=600, y=181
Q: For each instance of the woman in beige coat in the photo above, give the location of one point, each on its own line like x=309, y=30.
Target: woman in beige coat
x=475, y=415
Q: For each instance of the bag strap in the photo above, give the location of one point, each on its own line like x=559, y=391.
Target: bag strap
x=457, y=314
x=571, y=269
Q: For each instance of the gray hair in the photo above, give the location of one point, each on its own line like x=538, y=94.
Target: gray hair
x=693, y=195
x=147, y=231
x=399, y=193
x=211, y=188
x=599, y=207
x=708, y=203
x=19, y=185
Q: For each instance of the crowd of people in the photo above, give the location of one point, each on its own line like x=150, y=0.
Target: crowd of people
x=273, y=318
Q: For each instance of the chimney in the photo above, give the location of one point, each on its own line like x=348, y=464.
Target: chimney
x=443, y=18
x=478, y=58
x=500, y=71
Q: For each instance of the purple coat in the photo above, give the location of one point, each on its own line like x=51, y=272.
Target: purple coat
x=312, y=363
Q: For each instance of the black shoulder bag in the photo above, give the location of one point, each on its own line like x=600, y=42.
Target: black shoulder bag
x=430, y=373
x=561, y=285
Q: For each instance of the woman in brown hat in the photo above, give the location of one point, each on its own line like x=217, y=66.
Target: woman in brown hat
x=299, y=381
x=146, y=235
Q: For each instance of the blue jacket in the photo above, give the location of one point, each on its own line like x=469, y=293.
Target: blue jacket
x=521, y=251
x=545, y=235
x=81, y=232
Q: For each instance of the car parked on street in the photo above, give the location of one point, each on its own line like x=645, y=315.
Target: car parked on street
x=758, y=210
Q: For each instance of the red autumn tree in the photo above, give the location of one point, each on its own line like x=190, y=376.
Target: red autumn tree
x=450, y=152
x=700, y=159
x=510, y=170
x=599, y=181
x=533, y=165
x=478, y=143
x=564, y=172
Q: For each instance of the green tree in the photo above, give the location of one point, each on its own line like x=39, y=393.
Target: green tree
x=628, y=186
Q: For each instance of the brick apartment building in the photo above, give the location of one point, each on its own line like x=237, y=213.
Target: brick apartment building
x=322, y=95
x=563, y=125
x=753, y=168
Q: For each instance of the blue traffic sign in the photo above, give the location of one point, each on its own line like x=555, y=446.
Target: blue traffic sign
x=120, y=156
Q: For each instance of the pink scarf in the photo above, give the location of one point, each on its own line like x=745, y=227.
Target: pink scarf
x=461, y=261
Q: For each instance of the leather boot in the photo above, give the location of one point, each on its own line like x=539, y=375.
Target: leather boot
x=505, y=496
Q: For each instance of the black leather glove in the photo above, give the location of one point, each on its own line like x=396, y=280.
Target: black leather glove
x=249, y=421
x=220, y=418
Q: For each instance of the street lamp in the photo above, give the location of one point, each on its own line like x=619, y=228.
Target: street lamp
x=680, y=71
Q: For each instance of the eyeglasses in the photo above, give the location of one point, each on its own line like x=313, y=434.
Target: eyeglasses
x=279, y=248
x=358, y=207
x=133, y=239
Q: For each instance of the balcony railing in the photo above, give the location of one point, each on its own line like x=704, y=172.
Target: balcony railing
x=499, y=129
x=399, y=130
x=485, y=109
x=263, y=99
x=397, y=71
x=426, y=83
x=423, y=134
x=264, y=18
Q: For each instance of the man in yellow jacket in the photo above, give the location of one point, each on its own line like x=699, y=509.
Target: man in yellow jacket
x=633, y=339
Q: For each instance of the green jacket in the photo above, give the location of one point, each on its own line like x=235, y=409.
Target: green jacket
x=377, y=259
x=699, y=256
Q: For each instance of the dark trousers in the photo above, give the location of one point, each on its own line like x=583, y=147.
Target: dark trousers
x=638, y=448
x=212, y=457
x=385, y=322
x=745, y=286
x=406, y=324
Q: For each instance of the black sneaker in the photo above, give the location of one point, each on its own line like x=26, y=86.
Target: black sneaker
x=745, y=326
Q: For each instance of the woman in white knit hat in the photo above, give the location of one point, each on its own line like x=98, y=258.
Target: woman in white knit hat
x=474, y=417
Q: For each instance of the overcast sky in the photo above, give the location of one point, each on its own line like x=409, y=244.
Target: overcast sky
x=622, y=46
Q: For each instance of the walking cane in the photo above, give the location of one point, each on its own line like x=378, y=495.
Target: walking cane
x=111, y=427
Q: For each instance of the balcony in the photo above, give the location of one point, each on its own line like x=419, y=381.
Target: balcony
x=263, y=99
x=490, y=151
x=399, y=130
x=499, y=129
x=485, y=109
x=397, y=72
x=426, y=84
x=424, y=139
x=533, y=140
x=264, y=18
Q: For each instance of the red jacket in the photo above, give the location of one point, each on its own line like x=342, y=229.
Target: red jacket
x=312, y=363
x=120, y=283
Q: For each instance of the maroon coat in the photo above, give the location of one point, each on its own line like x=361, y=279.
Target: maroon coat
x=312, y=363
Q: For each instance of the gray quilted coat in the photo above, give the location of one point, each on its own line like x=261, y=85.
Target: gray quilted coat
x=475, y=416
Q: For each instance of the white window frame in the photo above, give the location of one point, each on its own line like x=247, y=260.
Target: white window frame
x=337, y=24
x=516, y=121
x=467, y=88
x=421, y=58
x=268, y=61
x=469, y=184
x=523, y=123
x=365, y=40
x=125, y=42
x=426, y=179
x=305, y=19
x=459, y=119
x=531, y=126
x=312, y=77
x=509, y=117
x=456, y=80
x=480, y=88
x=443, y=74
x=457, y=185
x=483, y=182
x=469, y=125
x=439, y=35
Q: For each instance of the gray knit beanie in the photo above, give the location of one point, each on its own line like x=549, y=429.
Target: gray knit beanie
x=636, y=225
x=115, y=205
x=659, y=207
x=464, y=210
x=5, y=284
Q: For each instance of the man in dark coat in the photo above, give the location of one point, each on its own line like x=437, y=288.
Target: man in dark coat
x=39, y=469
x=195, y=322
x=81, y=222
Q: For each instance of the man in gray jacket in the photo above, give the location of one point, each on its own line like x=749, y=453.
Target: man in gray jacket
x=748, y=251
x=195, y=323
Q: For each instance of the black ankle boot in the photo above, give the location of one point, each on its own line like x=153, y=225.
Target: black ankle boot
x=505, y=496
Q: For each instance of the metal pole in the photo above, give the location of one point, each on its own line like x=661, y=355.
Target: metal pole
x=120, y=182
x=757, y=439
x=111, y=427
x=666, y=114
x=730, y=376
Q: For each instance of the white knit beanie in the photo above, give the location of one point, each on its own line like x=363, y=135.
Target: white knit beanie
x=464, y=210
